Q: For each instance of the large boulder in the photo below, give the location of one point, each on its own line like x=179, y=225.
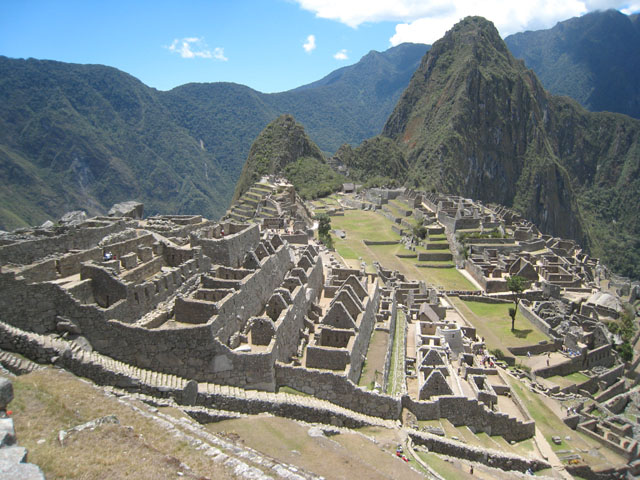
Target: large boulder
x=128, y=209
x=6, y=392
x=75, y=217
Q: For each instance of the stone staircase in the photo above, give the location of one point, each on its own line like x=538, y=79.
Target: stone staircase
x=245, y=208
x=16, y=364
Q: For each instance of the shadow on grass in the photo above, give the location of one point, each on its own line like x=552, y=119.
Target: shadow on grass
x=521, y=333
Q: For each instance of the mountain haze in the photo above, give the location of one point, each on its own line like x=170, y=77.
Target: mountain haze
x=475, y=121
x=87, y=136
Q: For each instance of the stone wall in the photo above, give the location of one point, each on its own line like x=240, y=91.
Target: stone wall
x=537, y=348
x=296, y=238
x=255, y=291
x=434, y=256
x=465, y=411
x=597, y=357
x=230, y=249
x=380, y=242
x=76, y=238
x=492, y=458
x=339, y=390
x=538, y=322
x=40, y=272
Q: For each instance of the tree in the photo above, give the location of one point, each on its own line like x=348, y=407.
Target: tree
x=516, y=284
x=324, y=224
x=420, y=231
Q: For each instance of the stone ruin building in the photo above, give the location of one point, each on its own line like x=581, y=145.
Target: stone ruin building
x=225, y=314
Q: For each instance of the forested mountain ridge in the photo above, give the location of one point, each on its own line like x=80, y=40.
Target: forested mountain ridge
x=87, y=136
x=594, y=59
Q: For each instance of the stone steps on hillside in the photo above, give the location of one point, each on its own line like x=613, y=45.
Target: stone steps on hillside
x=17, y=365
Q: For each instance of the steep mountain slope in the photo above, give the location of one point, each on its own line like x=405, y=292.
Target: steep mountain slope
x=283, y=147
x=594, y=59
x=476, y=122
x=76, y=136
x=358, y=98
x=378, y=158
x=86, y=136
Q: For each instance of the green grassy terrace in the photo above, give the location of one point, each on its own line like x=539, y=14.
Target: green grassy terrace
x=367, y=225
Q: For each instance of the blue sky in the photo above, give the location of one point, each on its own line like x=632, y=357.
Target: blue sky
x=269, y=45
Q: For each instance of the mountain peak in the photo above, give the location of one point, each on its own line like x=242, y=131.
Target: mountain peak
x=281, y=143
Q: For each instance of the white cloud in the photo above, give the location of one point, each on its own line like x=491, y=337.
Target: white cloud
x=341, y=55
x=631, y=8
x=425, y=21
x=310, y=45
x=194, y=47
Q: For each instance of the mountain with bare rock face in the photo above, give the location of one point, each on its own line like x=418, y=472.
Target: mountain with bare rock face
x=475, y=121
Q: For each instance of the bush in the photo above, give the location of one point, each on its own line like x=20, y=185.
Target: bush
x=626, y=351
x=496, y=352
x=420, y=231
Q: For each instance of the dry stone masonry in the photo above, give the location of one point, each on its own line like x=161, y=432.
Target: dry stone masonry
x=220, y=316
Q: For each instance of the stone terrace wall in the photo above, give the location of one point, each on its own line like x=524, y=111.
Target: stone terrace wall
x=600, y=356
x=105, y=371
x=29, y=251
x=337, y=389
x=464, y=411
x=493, y=458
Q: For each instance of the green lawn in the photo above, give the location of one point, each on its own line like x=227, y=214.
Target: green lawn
x=362, y=224
x=373, y=368
x=492, y=322
x=571, y=379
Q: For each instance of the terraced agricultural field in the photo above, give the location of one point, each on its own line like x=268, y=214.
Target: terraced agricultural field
x=367, y=225
x=492, y=322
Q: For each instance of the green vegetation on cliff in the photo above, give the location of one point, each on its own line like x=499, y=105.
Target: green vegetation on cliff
x=87, y=136
x=284, y=148
x=376, y=158
x=475, y=122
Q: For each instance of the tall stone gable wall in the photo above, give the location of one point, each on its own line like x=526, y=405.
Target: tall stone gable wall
x=291, y=320
x=230, y=249
x=255, y=291
x=363, y=337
